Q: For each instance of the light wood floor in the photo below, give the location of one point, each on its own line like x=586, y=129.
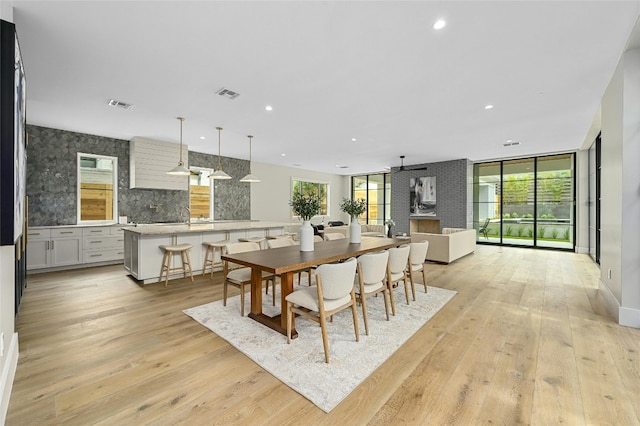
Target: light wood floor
x=525, y=341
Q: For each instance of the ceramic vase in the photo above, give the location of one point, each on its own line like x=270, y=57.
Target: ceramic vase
x=306, y=236
x=355, y=231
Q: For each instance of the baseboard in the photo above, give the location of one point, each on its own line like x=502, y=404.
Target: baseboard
x=629, y=317
x=612, y=304
x=582, y=250
x=8, y=373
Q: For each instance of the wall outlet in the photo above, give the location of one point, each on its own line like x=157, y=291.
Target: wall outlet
x=609, y=273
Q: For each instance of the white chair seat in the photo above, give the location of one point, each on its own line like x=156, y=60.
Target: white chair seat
x=244, y=274
x=308, y=298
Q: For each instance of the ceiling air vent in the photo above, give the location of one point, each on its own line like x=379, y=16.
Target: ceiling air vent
x=229, y=94
x=120, y=104
x=511, y=143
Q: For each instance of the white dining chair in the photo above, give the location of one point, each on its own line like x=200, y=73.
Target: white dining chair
x=371, y=279
x=334, y=236
x=333, y=293
x=417, y=256
x=397, y=271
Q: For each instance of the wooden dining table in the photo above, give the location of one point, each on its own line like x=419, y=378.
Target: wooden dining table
x=286, y=261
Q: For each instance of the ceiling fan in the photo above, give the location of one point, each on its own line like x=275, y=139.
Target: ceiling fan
x=404, y=168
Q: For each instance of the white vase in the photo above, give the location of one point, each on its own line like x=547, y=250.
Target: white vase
x=306, y=236
x=355, y=231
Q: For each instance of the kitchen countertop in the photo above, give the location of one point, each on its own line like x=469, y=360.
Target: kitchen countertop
x=184, y=228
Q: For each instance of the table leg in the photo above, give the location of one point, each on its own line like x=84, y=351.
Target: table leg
x=286, y=288
x=278, y=322
x=256, y=291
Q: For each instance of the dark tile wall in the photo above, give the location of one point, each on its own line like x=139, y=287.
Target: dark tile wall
x=452, y=193
x=52, y=181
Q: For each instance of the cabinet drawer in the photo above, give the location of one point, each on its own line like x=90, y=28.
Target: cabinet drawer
x=96, y=231
x=39, y=234
x=104, y=243
x=103, y=256
x=66, y=232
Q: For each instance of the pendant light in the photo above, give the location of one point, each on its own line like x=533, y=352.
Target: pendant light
x=250, y=177
x=219, y=173
x=180, y=169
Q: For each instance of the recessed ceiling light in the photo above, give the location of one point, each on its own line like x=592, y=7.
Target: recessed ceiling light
x=488, y=106
x=353, y=139
x=283, y=154
x=269, y=108
x=202, y=137
x=439, y=24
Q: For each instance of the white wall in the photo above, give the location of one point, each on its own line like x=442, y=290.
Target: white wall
x=630, y=197
x=9, y=358
x=270, y=197
x=620, y=179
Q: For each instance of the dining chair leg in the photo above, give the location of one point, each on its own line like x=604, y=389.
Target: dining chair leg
x=363, y=302
x=224, y=292
x=354, y=311
x=391, y=297
x=289, y=316
x=325, y=339
x=386, y=303
x=407, y=283
x=424, y=277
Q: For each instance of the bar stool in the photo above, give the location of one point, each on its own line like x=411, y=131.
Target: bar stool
x=258, y=240
x=167, y=260
x=210, y=255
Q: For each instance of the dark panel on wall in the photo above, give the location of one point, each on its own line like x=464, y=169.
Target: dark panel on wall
x=52, y=181
x=452, y=192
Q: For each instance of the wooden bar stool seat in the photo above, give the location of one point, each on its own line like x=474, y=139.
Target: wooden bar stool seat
x=167, y=260
x=210, y=255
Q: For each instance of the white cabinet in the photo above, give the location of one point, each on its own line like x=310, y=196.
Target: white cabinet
x=102, y=244
x=38, y=253
x=73, y=246
x=53, y=247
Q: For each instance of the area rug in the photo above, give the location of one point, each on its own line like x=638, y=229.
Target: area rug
x=300, y=365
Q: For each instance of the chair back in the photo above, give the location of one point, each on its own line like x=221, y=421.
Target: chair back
x=418, y=252
x=373, y=267
x=234, y=248
x=280, y=242
x=398, y=257
x=334, y=236
x=317, y=239
x=337, y=278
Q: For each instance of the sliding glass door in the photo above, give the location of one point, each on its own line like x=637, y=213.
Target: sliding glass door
x=526, y=201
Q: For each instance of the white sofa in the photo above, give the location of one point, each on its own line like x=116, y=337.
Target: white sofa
x=452, y=244
x=367, y=230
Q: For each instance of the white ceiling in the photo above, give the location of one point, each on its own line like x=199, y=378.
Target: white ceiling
x=333, y=71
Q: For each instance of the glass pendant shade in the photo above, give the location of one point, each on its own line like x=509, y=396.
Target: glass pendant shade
x=180, y=169
x=219, y=173
x=251, y=178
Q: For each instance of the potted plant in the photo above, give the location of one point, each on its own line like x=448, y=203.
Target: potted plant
x=306, y=206
x=354, y=208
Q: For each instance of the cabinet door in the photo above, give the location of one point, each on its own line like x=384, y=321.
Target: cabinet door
x=67, y=251
x=38, y=254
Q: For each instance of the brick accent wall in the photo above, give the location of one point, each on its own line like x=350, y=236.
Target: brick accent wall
x=454, y=193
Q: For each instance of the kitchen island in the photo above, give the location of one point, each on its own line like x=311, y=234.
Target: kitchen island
x=143, y=257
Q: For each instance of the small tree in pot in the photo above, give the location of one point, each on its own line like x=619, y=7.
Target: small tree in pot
x=354, y=208
x=306, y=206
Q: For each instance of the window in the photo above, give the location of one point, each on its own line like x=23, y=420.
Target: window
x=201, y=193
x=310, y=187
x=376, y=189
x=526, y=201
x=97, y=188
